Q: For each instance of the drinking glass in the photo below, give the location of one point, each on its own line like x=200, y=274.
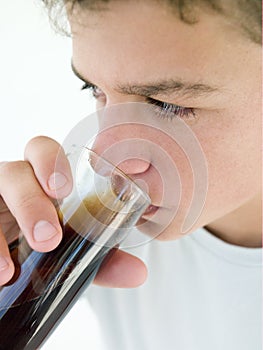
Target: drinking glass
x=101, y=210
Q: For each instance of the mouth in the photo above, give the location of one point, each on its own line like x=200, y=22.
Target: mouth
x=150, y=211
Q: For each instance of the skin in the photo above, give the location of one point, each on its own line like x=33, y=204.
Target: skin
x=123, y=45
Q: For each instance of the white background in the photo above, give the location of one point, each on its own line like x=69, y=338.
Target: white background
x=38, y=92
x=40, y=96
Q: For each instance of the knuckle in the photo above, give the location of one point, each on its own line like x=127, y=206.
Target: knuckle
x=2, y=164
x=8, y=169
x=29, y=200
x=38, y=141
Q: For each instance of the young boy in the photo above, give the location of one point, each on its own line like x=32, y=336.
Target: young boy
x=199, y=64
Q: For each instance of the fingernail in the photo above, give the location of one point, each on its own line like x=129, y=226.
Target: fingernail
x=3, y=263
x=56, y=181
x=43, y=231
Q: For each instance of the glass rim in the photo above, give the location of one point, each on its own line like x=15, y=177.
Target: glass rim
x=125, y=176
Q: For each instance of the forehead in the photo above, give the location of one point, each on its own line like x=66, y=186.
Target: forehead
x=137, y=41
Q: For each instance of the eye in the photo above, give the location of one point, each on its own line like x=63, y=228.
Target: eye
x=164, y=110
x=96, y=92
x=169, y=111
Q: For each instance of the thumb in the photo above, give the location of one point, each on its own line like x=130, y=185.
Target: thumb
x=121, y=270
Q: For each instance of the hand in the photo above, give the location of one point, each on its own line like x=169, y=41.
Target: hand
x=26, y=193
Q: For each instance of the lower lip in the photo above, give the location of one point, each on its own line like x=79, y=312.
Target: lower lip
x=150, y=211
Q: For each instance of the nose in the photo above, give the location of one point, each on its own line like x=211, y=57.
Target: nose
x=129, y=155
x=127, y=160
x=134, y=166
x=121, y=139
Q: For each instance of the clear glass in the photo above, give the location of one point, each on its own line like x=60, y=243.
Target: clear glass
x=102, y=208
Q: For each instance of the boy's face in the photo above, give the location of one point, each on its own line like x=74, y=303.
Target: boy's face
x=144, y=43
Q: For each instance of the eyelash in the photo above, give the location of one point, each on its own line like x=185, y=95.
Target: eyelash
x=164, y=110
x=90, y=87
x=170, y=110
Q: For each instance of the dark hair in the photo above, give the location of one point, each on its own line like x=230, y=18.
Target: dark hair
x=247, y=13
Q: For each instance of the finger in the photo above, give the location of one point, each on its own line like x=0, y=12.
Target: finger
x=121, y=270
x=8, y=223
x=50, y=165
x=7, y=268
x=33, y=210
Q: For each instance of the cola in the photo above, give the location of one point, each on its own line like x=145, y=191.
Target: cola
x=46, y=285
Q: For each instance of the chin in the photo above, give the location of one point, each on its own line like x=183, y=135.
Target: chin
x=159, y=232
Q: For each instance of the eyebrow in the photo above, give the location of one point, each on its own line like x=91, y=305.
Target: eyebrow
x=163, y=87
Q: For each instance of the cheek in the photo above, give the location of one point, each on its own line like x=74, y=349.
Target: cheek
x=232, y=148
x=233, y=153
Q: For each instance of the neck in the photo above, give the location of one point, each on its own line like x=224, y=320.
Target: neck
x=243, y=226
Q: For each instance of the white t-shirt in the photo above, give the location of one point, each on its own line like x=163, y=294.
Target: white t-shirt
x=201, y=294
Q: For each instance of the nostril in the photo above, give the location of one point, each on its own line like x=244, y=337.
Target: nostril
x=142, y=184
x=134, y=166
